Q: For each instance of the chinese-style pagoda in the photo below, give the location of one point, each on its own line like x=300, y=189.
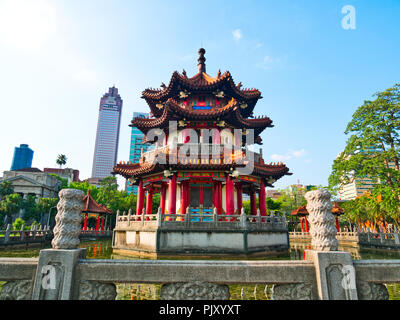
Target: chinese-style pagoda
x=199, y=161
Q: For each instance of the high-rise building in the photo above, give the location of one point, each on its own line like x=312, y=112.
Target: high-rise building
x=107, y=137
x=22, y=158
x=137, y=145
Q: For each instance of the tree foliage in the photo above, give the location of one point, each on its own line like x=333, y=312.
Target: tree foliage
x=373, y=148
x=61, y=160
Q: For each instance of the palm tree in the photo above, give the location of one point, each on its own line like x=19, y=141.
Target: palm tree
x=61, y=160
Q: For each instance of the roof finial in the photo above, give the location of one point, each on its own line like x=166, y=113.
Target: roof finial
x=201, y=65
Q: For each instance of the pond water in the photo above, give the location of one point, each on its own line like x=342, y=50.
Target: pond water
x=102, y=249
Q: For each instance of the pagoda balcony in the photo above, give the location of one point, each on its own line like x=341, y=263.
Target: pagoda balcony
x=200, y=153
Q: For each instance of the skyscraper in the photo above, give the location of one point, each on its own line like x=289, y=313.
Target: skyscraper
x=136, y=146
x=107, y=137
x=22, y=158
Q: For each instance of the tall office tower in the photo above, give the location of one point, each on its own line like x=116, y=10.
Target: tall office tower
x=107, y=137
x=22, y=158
x=136, y=146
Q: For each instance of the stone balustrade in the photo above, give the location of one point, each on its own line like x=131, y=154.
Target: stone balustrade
x=328, y=274
x=36, y=234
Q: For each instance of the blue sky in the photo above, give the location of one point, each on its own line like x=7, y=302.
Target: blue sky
x=59, y=57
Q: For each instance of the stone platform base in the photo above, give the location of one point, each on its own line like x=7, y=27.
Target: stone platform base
x=219, y=242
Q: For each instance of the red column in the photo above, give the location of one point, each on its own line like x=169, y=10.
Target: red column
x=337, y=223
x=149, y=201
x=102, y=224
x=306, y=221
x=85, y=222
x=172, y=195
x=165, y=139
x=183, y=196
x=216, y=139
x=253, y=202
x=185, y=136
x=218, y=197
x=230, y=204
x=162, y=196
x=262, y=200
x=302, y=226
x=140, y=199
x=239, y=197
x=97, y=223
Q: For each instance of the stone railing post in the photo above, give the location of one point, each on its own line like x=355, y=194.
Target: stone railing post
x=22, y=233
x=55, y=275
x=334, y=269
x=117, y=219
x=7, y=233
x=159, y=217
x=243, y=218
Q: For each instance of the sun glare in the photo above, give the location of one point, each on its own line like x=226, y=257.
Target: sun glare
x=27, y=24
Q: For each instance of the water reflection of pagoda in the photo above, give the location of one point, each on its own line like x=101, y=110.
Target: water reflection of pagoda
x=200, y=161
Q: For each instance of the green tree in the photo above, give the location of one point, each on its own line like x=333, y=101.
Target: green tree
x=18, y=223
x=30, y=208
x=11, y=204
x=61, y=160
x=373, y=148
x=6, y=188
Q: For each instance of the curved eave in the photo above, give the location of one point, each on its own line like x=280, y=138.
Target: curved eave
x=230, y=113
x=199, y=83
x=137, y=169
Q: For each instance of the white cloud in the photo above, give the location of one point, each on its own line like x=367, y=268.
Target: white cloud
x=299, y=153
x=268, y=62
x=289, y=155
x=237, y=34
x=27, y=24
x=280, y=157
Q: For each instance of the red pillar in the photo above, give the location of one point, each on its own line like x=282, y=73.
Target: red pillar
x=302, y=226
x=337, y=223
x=184, y=197
x=102, y=224
x=85, y=222
x=253, y=202
x=262, y=200
x=306, y=221
x=239, y=197
x=162, y=196
x=172, y=195
x=185, y=136
x=97, y=223
x=140, y=199
x=230, y=204
x=149, y=201
x=216, y=139
x=218, y=198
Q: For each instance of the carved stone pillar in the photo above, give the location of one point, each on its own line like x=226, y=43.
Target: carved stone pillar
x=68, y=219
x=322, y=221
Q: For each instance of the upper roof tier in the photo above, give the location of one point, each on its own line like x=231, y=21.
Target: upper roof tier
x=230, y=113
x=201, y=83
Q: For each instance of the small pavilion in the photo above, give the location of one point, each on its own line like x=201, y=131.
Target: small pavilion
x=94, y=208
x=302, y=213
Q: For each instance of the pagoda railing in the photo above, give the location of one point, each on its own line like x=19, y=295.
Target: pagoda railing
x=197, y=153
x=190, y=219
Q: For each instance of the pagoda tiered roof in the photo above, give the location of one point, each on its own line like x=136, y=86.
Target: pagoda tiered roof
x=91, y=206
x=201, y=82
x=128, y=170
x=230, y=113
x=302, y=211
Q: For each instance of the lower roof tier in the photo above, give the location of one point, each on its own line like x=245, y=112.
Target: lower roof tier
x=269, y=172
